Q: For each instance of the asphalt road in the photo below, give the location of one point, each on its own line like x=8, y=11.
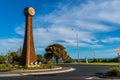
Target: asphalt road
x=82, y=72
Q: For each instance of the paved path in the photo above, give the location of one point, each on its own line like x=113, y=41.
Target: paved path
x=82, y=72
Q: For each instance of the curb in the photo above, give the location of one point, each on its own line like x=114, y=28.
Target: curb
x=37, y=72
x=41, y=70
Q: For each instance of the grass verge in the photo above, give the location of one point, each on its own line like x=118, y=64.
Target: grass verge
x=4, y=67
x=100, y=64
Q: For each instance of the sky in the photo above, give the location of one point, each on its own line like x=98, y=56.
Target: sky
x=96, y=22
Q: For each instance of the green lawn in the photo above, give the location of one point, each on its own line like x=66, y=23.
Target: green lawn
x=101, y=63
x=17, y=67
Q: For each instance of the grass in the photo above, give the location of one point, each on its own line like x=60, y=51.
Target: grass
x=100, y=63
x=18, y=67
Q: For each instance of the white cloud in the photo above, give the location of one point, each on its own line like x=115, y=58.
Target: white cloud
x=110, y=11
x=107, y=10
x=90, y=26
x=11, y=44
x=111, y=39
x=46, y=36
x=20, y=30
x=108, y=53
x=82, y=16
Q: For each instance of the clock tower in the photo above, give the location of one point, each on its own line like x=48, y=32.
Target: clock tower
x=28, y=56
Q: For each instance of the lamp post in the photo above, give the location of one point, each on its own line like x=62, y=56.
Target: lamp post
x=77, y=45
x=94, y=54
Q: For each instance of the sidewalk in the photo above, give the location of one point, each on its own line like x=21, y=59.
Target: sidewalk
x=35, y=72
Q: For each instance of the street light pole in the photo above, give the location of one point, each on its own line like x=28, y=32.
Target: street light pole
x=94, y=54
x=77, y=45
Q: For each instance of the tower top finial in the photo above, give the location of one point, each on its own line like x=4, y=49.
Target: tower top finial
x=29, y=11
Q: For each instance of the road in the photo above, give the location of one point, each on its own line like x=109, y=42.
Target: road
x=82, y=72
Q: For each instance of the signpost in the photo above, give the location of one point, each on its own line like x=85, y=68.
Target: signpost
x=118, y=51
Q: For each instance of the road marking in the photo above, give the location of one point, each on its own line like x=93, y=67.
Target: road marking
x=90, y=78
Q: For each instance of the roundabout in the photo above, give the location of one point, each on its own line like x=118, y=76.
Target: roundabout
x=65, y=72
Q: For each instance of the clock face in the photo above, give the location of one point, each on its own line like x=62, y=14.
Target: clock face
x=31, y=11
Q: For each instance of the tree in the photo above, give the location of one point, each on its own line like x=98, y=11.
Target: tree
x=57, y=51
x=13, y=58
x=115, y=59
x=41, y=58
x=96, y=60
x=2, y=59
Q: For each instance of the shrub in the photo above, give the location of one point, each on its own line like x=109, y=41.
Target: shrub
x=96, y=60
x=114, y=72
x=106, y=60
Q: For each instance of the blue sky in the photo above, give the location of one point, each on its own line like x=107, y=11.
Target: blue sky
x=97, y=23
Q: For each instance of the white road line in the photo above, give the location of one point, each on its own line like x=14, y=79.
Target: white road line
x=91, y=78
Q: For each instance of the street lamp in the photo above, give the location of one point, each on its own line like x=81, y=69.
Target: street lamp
x=77, y=44
x=94, y=54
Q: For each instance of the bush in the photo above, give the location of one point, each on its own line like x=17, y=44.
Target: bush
x=106, y=60
x=114, y=72
x=96, y=60
x=67, y=61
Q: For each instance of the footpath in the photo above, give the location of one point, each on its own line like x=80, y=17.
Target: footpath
x=35, y=72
